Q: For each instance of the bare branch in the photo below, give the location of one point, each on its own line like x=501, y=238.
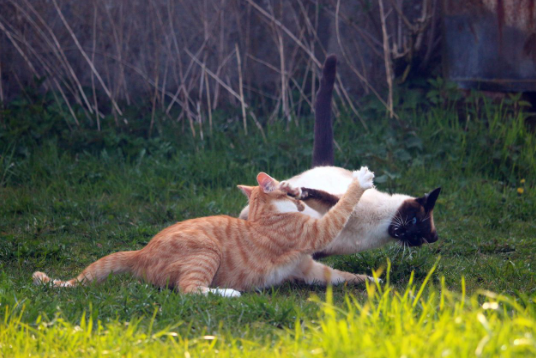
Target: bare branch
x=387, y=59
x=87, y=58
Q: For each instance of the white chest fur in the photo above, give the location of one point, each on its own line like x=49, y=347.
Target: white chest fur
x=281, y=273
x=285, y=206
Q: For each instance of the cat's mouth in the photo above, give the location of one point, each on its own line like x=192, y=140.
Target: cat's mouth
x=413, y=240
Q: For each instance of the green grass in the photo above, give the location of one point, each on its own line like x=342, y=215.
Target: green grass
x=420, y=321
x=70, y=197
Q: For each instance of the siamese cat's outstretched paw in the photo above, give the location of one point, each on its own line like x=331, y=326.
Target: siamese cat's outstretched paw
x=290, y=189
x=365, y=177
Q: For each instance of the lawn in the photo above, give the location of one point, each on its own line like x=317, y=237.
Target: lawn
x=68, y=197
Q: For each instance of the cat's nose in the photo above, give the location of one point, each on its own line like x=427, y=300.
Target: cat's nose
x=434, y=238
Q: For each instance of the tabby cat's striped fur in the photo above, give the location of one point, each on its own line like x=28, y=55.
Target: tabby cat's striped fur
x=222, y=251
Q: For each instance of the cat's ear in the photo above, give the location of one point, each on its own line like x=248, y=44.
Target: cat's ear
x=429, y=200
x=267, y=183
x=246, y=189
x=432, y=197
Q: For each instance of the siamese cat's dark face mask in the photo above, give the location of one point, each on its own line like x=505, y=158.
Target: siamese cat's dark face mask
x=413, y=224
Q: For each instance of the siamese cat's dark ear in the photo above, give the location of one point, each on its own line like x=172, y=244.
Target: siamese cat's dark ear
x=267, y=183
x=432, y=197
x=429, y=200
x=245, y=189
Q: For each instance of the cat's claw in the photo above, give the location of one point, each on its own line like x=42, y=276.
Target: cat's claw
x=290, y=189
x=59, y=283
x=365, y=177
x=225, y=292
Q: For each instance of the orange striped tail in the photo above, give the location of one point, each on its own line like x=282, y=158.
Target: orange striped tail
x=119, y=262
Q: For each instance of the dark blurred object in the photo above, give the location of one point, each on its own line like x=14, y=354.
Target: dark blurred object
x=490, y=44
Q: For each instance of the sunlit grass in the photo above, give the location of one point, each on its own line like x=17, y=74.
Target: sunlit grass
x=420, y=321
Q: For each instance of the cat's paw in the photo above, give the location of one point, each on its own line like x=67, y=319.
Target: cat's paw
x=225, y=292
x=290, y=189
x=40, y=278
x=375, y=280
x=59, y=283
x=365, y=177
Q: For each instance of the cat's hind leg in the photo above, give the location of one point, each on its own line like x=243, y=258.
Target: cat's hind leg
x=313, y=272
x=196, y=273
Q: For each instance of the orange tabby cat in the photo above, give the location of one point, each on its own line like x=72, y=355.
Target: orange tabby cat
x=222, y=251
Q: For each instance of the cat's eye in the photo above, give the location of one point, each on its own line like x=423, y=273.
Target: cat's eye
x=414, y=221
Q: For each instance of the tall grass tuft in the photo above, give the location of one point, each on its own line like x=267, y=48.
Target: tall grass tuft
x=425, y=321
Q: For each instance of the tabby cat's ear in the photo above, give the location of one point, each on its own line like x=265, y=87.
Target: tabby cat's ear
x=429, y=200
x=246, y=189
x=267, y=183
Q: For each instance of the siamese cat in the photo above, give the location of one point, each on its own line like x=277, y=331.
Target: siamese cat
x=379, y=218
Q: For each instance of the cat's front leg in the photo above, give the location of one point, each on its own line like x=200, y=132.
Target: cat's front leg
x=319, y=200
x=291, y=190
x=313, y=272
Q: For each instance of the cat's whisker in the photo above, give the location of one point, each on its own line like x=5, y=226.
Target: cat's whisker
x=398, y=219
x=400, y=246
x=395, y=251
x=403, y=221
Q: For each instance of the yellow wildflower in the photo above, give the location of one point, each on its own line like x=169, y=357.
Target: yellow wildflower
x=520, y=190
x=522, y=181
